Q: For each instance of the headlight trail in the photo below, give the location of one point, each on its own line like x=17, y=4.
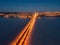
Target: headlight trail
x=23, y=36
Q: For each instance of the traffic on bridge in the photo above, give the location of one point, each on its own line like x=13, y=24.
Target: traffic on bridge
x=23, y=37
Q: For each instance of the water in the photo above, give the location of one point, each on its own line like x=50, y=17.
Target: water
x=46, y=30
x=9, y=28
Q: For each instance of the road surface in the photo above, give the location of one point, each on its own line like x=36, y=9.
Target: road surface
x=23, y=37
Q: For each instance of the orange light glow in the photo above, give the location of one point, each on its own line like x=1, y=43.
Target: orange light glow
x=24, y=35
x=20, y=34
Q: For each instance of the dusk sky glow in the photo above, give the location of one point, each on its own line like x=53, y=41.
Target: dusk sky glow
x=29, y=5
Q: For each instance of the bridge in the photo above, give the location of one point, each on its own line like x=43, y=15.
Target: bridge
x=23, y=37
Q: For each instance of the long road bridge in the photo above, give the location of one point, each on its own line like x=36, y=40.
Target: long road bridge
x=23, y=37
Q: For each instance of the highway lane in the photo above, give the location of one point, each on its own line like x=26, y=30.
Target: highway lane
x=24, y=35
x=20, y=35
x=23, y=38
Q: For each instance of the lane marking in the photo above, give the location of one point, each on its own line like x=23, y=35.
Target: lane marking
x=23, y=36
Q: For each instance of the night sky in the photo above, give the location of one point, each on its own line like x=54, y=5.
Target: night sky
x=29, y=5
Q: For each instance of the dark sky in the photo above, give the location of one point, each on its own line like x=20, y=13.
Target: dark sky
x=29, y=5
